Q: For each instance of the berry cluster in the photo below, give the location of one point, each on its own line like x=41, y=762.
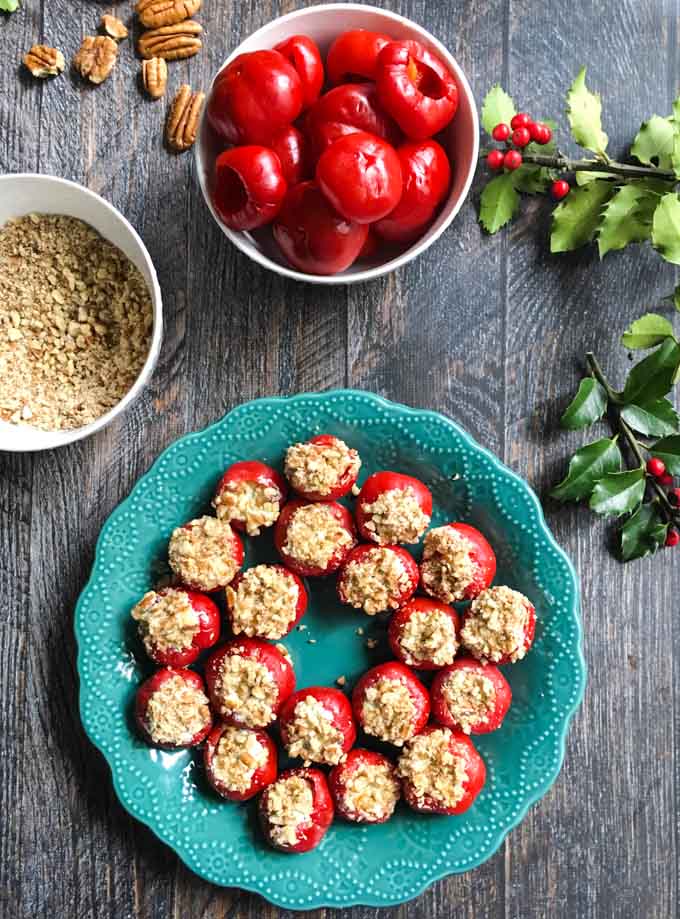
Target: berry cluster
x=521, y=131
x=657, y=469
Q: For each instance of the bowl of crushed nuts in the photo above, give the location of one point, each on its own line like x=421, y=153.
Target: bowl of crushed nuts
x=80, y=313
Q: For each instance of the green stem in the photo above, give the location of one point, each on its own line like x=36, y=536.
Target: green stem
x=624, y=170
x=671, y=513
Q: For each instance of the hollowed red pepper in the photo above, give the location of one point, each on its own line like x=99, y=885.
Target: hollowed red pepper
x=416, y=89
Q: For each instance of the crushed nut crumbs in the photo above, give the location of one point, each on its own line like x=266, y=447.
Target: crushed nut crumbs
x=237, y=756
x=319, y=467
x=395, y=516
x=388, y=711
x=312, y=735
x=75, y=323
x=469, y=696
x=429, y=636
x=372, y=643
x=376, y=581
x=255, y=504
x=202, y=553
x=432, y=769
x=341, y=680
x=263, y=603
x=289, y=805
x=167, y=621
x=448, y=566
x=371, y=791
x=176, y=712
x=495, y=625
x=314, y=536
x=247, y=689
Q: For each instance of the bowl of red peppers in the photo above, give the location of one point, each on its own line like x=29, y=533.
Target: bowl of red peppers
x=338, y=143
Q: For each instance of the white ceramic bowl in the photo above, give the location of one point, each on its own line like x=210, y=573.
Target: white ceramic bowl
x=324, y=23
x=26, y=193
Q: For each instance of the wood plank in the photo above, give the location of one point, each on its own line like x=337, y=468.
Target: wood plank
x=602, y=843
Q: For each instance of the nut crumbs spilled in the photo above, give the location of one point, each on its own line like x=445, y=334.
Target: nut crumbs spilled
x=75, y=323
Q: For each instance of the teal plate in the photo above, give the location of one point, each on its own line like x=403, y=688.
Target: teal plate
x=368, y=865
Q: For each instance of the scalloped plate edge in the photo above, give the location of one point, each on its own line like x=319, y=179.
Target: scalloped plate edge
x=366, y=899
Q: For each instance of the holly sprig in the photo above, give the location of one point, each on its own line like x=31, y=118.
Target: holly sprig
x=630, y=474
x=612, y=204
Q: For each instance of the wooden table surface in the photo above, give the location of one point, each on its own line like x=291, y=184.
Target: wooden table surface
x=491, y=331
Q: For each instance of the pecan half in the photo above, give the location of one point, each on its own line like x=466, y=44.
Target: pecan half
x=155, y=77
x=96, y=57
x=44, y=61
x=155, y=13
x=171, y=42
x=113, y=27
x=182, y=124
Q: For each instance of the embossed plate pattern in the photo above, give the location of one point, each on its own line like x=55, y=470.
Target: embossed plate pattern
x=380, y=865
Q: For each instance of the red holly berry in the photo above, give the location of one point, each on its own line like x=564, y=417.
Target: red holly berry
x=495, y=159
x=673, y=538
x=560, y=189
x=501, y=132
x=656, y=467
x=521, y=137
x=540, y=133
x=666, y=479
x=512, y=160
x=520, y=120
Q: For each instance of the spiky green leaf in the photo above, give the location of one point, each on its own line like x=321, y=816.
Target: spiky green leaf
x=584, y=111
x=652, y=377
x=587, y=466
x=666, y=228
x=648, y=331
x=577, y=218
x=497, y=108
x=499, y=203
x=645, y=532
x=618, y=493
x=668, y=450
x=653, y=144
x=9, y=6
x=623, y=219
x=588, y=405
x=653, y=419
x=532, y=180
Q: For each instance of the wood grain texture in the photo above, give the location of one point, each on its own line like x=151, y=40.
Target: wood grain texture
x=490, y=331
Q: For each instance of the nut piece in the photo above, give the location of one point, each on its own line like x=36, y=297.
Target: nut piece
x=155, y=77
x=96, y=57
x=155, y=13
x=113, y=27
x=44, y=61
x=171, y=42
x=180, y=131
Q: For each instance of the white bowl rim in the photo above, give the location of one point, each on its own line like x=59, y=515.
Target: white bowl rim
x=45, y=440
x=414, y=251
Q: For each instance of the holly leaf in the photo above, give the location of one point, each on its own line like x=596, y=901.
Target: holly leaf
x=622, y=220
x=645, y=532
x=584, y=178
x=584, y=111
x=499, y=202
x=666, y=228
x=648, y=331
x=675, y=298
x=9, y=6
x=588, y=405
x=618, y=493
x=653, y=377
x=653, y=144
x=497, y=108
x=532, y=180
x=576, y=219
x=654, y=419
x=588, y=465
x=668, y=450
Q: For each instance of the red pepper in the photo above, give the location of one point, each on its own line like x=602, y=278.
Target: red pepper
x=416, y=89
